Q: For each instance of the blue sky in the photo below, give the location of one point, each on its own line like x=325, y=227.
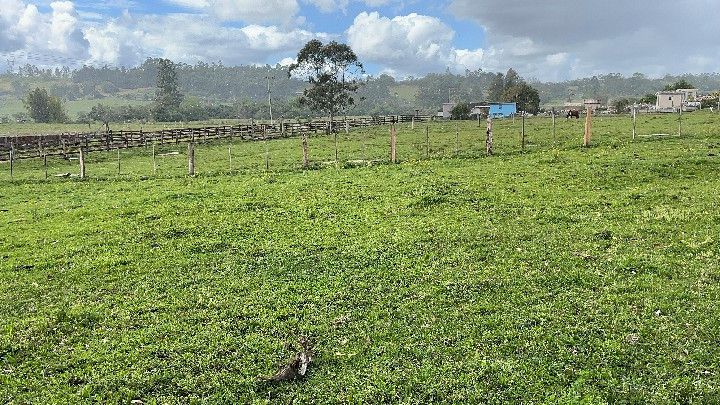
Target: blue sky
x=548, y=40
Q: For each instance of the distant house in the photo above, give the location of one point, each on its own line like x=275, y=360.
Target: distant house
x=592, y=104
x=669, y=100
x=496, y=110
x=690, y=94
x=674, y=100
x=503, y=110
x=446, y=110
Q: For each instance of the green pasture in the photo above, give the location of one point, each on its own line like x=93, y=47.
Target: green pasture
x=554, y=274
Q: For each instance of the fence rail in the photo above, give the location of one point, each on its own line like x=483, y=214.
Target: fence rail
x=39, y=146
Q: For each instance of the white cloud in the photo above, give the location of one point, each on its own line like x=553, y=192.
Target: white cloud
x=253, y=11
x=408, y=44
x=191, y=38
x=287, y=61
x=24, y=28
x=411, y=44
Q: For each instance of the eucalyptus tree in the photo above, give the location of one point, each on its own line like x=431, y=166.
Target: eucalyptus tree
x=334, y=74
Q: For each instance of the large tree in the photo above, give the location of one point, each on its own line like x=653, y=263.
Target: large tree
x=496, y=88
x=332, y=71
x=167, y=95
x=526, y=97
x=512, y=78
x=43, y=107
x=680, y=84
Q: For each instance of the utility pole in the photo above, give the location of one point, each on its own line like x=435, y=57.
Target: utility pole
x=269, y=94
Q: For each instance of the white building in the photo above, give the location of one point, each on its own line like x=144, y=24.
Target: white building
x=592, y=104
x=690, y=94
x=674, y=100
x=669, y=100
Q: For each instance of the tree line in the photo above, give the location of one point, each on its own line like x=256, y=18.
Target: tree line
x=205, y=91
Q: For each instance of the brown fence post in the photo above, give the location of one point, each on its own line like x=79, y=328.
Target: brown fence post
x=427, y=141
x=554, y=130
x=191, y=159
x=12, y=160
x=267, y=148
x=457, y=139
x=82, y=162
x=306, y=160
x=393, y=144
x=522, y=132
x=680, y=121
x=489, y=137
x=588, y=128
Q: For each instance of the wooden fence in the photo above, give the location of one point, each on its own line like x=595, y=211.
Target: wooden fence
x=39, y=146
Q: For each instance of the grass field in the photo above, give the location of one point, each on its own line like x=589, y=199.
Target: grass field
x=11, y=105
x=557, y=274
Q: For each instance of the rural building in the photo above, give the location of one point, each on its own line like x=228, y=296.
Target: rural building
x=446, y=110
x=669, y=100
x=592, y=104
x=496, y=110
x=503, y=110
x=673, y=100
x=573, y=106
x=690, y=94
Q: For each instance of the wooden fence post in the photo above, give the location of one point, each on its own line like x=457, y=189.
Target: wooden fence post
x=427, y=141
x=230, y=155
x=554, y=131
x=680, y=121
x=634, y=118
x=588, y=128
x=489, y=137
x=335, y=139
x=267, y=149
x=306, y=160
x=82, y=162
x=393, y=144
x=522, y=133
x=457, y=139
x=191, y=159
x=12, y=160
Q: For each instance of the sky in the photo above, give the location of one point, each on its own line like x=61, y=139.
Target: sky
x=548, y=40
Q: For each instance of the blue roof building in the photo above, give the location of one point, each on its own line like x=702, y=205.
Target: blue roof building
x=503, y=110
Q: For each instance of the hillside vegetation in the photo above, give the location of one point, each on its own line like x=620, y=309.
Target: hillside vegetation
x=245, y=88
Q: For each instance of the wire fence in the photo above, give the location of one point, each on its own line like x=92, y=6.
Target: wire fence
x=359, y=146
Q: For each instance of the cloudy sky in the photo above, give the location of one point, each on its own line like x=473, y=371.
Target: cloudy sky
x=548, y=40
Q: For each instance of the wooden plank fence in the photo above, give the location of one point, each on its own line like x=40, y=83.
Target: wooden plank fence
x=39, y=146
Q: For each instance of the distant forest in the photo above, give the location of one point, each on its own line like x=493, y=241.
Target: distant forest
x=244, y=88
